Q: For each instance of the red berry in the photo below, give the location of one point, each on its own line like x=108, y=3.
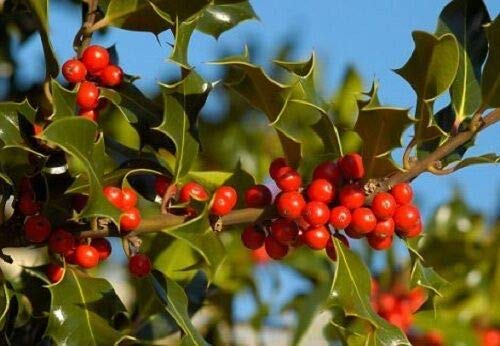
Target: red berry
x=225, y=198
x=87, y=96
x=379, y=243
x=79, y=201
x=289, y=181
x=316, y=237
x=74, y=71
x=406, y=217
x=352, y=196
x=111, y=76
x=54, y=272
x=260, y=255
x=416, y=298
x=490, y=337
x=103, y=247
x=351, y=166
x=86, y=256
x=258, y=196
x=139, y=265
x=275, y=249
x=340, y=217
x=161, y=185
x=220, y=207
x=383, y=205
x=321, y=190
x=403, y=193
x=28, y=206
x=363, y=220
x=353, y=233
x=95, y=58
x=129, y=199
x=61, y=241
x=70, y=256
x=90, y=114
x=284, y=231
x=316, y=213
x=228, y=193
x=290, y=204
x=193, y=190
x=330, y=171
x=114, y=195
x=384, y=228
x=412, y=232
x=37, y=228
x=275, y=166
x=38, y=129
x=130, y=220
x=434, y=338
x=330, y=248
x=387, y=303
x=252, y=237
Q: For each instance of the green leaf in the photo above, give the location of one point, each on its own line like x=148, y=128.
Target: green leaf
x=241, y=181
x=427, y=278
x=490, y=85
x=41, y=11
x=6, y=295
x=121, y=102
x=176, y=303
x=308, y=308
x=182, y=102
x=183, y=32
x=64, y=101
x=351, y=290
x=380, y=129
x=10, y=134
x=430, y=71
x=76, y=137
x=210, y=179
x=224, y=15
x=199, y=234
x=143, y=15
x=486, y=158
x=81, y=310
x=433, y=65
x=465, y=20
x=344, y=102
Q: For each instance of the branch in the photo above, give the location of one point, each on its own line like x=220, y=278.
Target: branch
x=84, y=35
x=478, y=124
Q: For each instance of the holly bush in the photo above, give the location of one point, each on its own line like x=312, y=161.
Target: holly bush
x=89, y=164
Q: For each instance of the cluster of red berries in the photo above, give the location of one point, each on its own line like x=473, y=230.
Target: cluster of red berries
x=397, y=305
x=335, y=200
x=64, y=244
x=91, y=70
x=223, y=202
x=124, y=199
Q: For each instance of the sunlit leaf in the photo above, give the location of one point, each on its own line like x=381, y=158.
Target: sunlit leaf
x=491, y=73
x=224, y=15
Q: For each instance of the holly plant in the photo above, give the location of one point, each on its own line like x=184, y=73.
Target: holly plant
x=95, y=177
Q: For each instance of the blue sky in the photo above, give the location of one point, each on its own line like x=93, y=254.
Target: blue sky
x=374, y=36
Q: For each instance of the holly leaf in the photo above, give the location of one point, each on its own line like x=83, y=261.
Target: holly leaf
x=143, y=15
x=121, y=102
x=430, y=71
x=198, y=233
x=76, y=137
x=210, y=179
x=432, y=66
x=6, y=295
x=10, y=134
x=175, y=302
x=351, y=290
x=380, y=129
x=224, y=15
x=427, y=278
x=486, y=158
x=131, y=98
x=465, y=20
x=82, y=309
x=182, y=103
x=64, y=101
x=490, y=85
x=41, y=12
x=344, y=102
x=183, y=32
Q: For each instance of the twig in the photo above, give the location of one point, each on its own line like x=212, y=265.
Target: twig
x=84, y=35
